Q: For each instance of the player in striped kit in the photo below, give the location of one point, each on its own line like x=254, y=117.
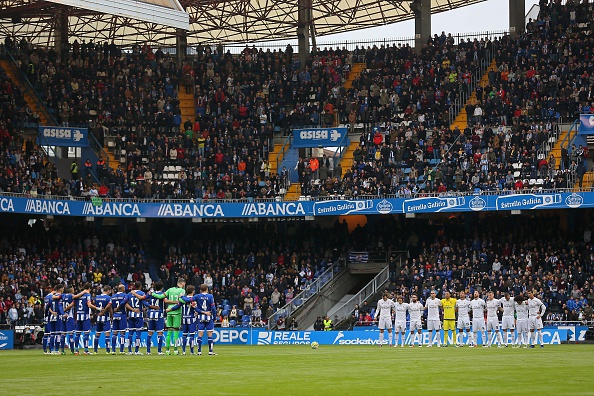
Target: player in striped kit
x=507, y=320
x=136, y=302
x=493, y=307
x=536, y=310
x=120, y=322
x=521, y=308
x=415, y=310
x=477, y=305
x=54, y=312
x=207, y=311
x=156, y=318
x=188, y=312
x=463, y=323
x=400, y=309
x=432, y=306
x=83, y=318
x=103, y=302
x=384, y=312
x=68, y=319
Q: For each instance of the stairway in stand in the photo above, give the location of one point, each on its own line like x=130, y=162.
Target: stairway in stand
x=187, y=106
x=347, y=158
x=354, y=74
x=33, y=101
x=272, y=158
x=556, y=150
x=461, y=118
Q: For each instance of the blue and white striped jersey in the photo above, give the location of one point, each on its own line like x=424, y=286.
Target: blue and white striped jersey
x=66, y=301
x=103, y=301
x=205, y=303
x=118, y=303
x=136, y=304
x=156, y=298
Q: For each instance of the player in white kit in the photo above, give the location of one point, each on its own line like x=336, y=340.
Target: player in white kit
x=415, y=310
x=477, y=305
x=384, y=312
x=493, y=307
x=463, y=323
x=536, y=310
x=400, y=309
x=433, y=323
x=507, y=320
x=521, y=307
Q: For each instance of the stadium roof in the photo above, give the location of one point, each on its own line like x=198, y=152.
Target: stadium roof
x=210, y=21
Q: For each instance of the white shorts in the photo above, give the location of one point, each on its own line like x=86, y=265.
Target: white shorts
x=534, y=323
x=433, y=324
x=400, y=326
x=507, y=322
x=415, y=325
x=492, y=324
x=463, y=323
x=522, y=325
x=478, y=324
x=385, y=323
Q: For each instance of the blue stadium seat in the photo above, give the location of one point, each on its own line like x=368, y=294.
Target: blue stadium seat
x=225, y=302
x=227, y=307
x=240, y=313
x=232, y=323
x=225, y=313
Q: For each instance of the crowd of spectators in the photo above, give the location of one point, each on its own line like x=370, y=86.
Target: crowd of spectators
x=402, y=99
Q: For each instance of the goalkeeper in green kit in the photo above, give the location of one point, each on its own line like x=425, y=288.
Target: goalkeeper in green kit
x=173, y=323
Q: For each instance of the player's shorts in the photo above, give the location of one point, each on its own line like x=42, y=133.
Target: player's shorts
x=534, y=323
x=463, y=323
x=433, y=324
x=492, y=324
x=478, y=324
x=135, y=323
x=173, y=321
x=208, y=326
x=67, y=326
x=120, y=324
x=83, y=326
x=400, y=326
x=53, y=327
x=156, y=324
x=415, y=325
x=103, y=327
x=449, y=324
x=188, y=328
x=508, y=322
x=522, y=325
x=385, y=323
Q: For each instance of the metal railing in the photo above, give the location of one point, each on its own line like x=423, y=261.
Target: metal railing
x=373, y=287
x=343, y=147
x=308, y=292
x=281, y=155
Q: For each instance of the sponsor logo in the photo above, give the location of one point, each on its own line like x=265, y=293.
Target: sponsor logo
x=3, y=340
x=231, y=336
x=264, y=337
x=574, y=200
x=384, y=207
x=111, y=209
x=338, y=337
x=188, y=210
x=6, y=205
x=43, y=206
x=477, y=204
x=284, y=337
x=341, y=207
x=591, y=120
x=60, y=133
x=270, y=209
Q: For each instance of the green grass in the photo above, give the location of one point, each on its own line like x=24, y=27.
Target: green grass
x=299, y=370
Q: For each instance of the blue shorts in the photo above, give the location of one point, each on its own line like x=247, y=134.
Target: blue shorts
x=67, y=325
x=156, y=324
x=188, y=328
x=135, y=323
x=120, y=324
x=83, y=325
x=53, y=327
x=209, y=326
x=103, y=327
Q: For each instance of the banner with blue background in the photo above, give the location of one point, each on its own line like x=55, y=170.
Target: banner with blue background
x=319, y=137
x=63, y=137
x=586, y=124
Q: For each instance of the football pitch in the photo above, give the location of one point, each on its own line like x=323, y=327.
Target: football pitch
x=300, y=370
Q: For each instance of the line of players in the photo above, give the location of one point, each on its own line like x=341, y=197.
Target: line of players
x=520, y=313
x=68, y=318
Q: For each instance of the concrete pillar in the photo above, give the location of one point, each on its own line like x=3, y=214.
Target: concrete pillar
x=181, y=45
x=517, y=17
x=303, y=28
x=61, y=32
x=422, y=11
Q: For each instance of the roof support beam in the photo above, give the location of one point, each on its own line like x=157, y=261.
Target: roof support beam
x=517, y=17
x=422, y=11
